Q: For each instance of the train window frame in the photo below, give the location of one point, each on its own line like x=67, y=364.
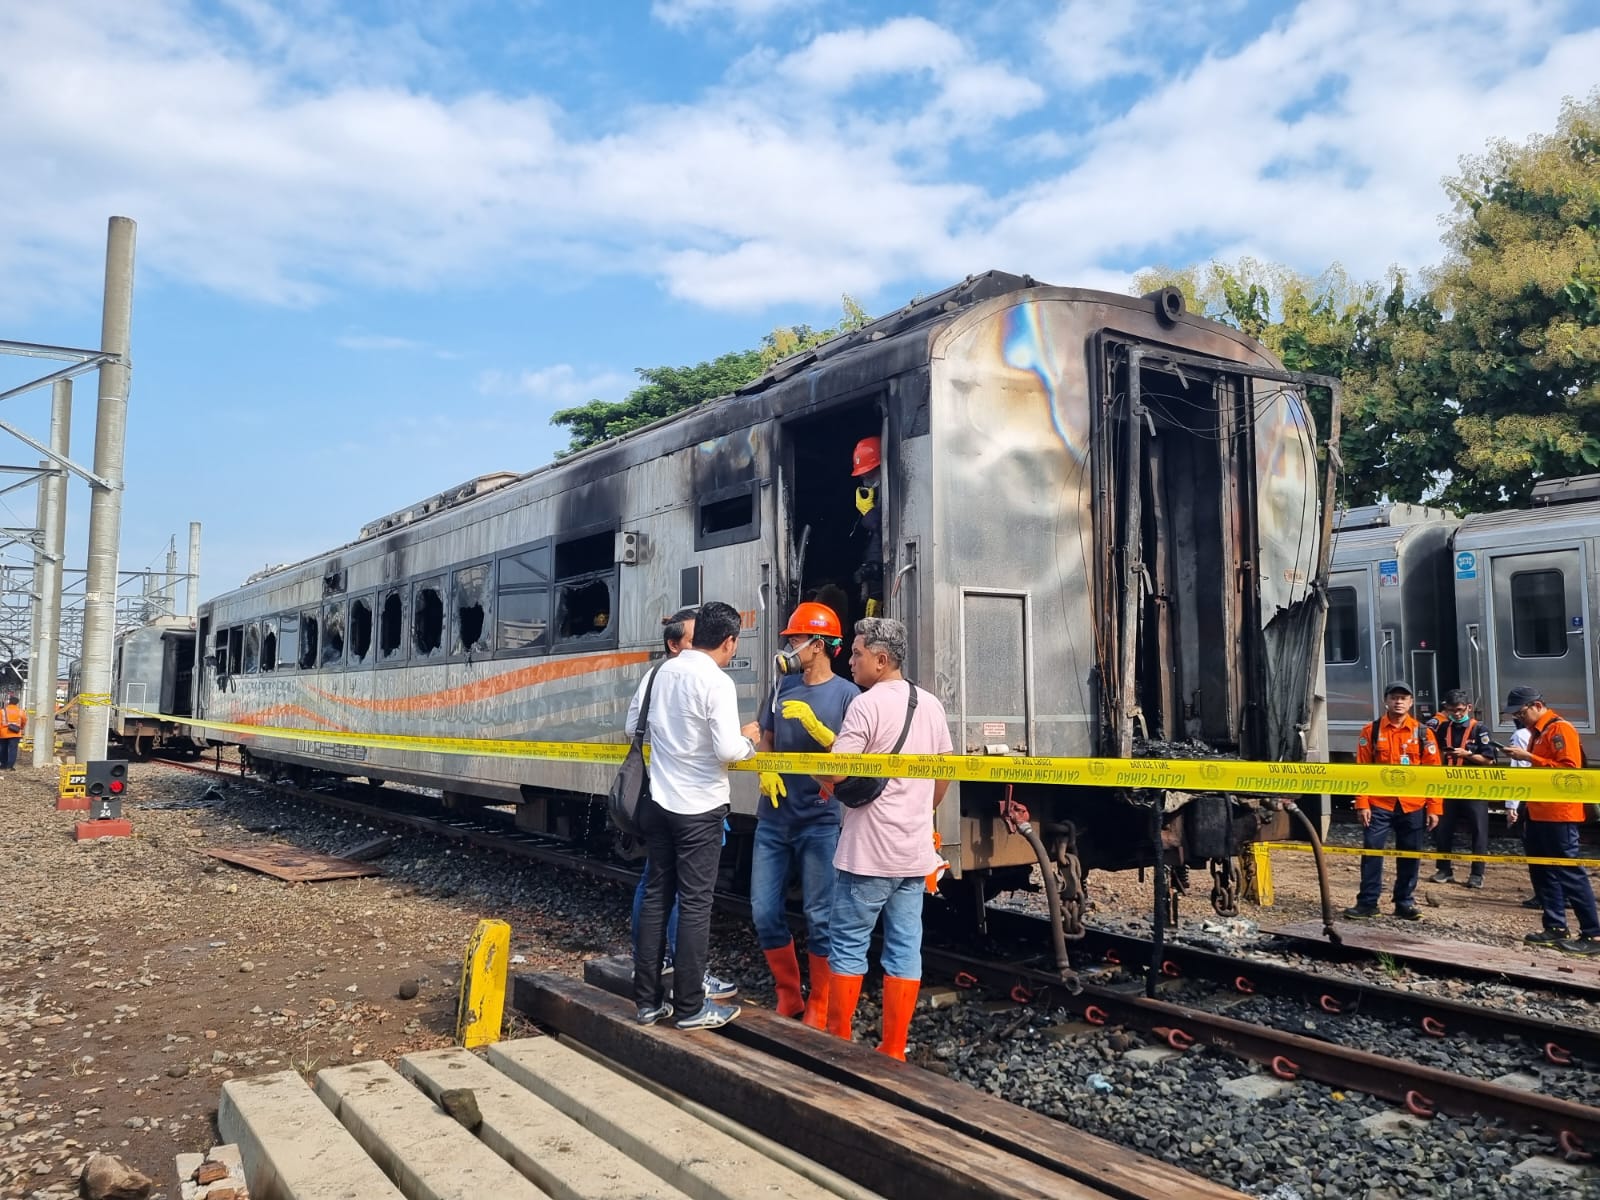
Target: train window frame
x=235, y=649
x=252, y=648
x=547, y=589
x=311, y=617
x=401, y=655
x=269, y=632
x=490, y=631
x=720, y=500
x=577, y=580
x=1520, y=624
x=340, y=609
x=371, y=656
x=289, y=624
x=1355, y=627
x=438, y=585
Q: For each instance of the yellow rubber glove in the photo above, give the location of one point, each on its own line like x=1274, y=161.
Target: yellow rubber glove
x=799, y=710
x=772, y=786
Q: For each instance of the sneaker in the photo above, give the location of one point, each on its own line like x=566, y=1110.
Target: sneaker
x=710, y=1016
x=1584, y=943
x=1533, y=902
x=718, y=990
x=1407, y=912
x=1547, y=937
x=650, y=1014
x=1443, y=877
x=1475, y=882
x=1359, y=913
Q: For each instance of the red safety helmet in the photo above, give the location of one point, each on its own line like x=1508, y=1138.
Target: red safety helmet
x=813, y=620
x=868, y=456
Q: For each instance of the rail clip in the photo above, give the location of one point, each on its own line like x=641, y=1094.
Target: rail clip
x=1244, y=986
x=1419, y=1105
x=1095, y=1015
x=1285, y=1068
x=1329, y=1005
x=1176, y=1038
x=1021, y=994
x=966, y=979
x=1112, y=957
x=1171, y=969
x=1572, y=1147
x=1432, y=1026
x=1558, y=1054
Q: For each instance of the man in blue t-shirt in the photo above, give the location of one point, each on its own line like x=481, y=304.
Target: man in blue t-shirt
x=797, y=825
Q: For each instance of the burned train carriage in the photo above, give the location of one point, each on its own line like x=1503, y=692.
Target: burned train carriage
x=1076, y=582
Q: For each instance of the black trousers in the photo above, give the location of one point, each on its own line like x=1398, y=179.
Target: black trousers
x=1474, y=814
x=684, y=853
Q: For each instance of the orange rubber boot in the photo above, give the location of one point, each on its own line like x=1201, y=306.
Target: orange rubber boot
x=844, y=992
x=899, y=1002
x=817, y=1003
x=786, y=971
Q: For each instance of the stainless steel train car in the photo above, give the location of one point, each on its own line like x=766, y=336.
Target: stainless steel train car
x=1484, y=603
x=152, y=689
x=1100, y=521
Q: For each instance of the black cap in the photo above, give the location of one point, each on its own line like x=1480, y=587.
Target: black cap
x=1399, y=685
x=1521, y=697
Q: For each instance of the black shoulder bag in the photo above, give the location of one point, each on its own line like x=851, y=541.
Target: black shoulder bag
x=632, y=784
x=858, y=791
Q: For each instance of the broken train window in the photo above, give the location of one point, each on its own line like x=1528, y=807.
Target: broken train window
x=252, y=648
x=269, y=644
x=427, y=618
x=391, y=627
x=470, y=606
x=586, y=577
x=522, y=600
x=360, y=630
x=308, y=640
x=333, y=634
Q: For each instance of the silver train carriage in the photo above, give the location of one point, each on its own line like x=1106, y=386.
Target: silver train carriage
x=1484, y=603
x=152, y=689
x=1100, y=521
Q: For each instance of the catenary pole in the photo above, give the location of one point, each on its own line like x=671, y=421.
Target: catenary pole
x=55, y=544
x=194, y=570
x=35, y=606
x=105, y=504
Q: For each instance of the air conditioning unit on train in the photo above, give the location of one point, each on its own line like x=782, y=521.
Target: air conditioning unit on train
x=629, y=546
x=1566, y=491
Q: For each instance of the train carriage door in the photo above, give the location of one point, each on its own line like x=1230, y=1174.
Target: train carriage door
x=1538, y=601
x=1351, y=652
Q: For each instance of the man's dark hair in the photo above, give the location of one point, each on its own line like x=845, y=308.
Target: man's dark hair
x=715, y=624
x=672, y=627
x=1456, y=696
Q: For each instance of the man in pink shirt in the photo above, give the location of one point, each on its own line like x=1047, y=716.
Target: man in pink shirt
x=886, y=846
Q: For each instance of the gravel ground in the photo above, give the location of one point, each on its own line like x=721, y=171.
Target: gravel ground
x=137, y=974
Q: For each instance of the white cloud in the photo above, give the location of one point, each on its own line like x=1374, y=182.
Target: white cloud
x=684, y=12
x=281, y=169
x=560, y=385
x=1090, y=41
x=378, y=342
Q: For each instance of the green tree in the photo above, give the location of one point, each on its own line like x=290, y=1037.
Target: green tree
x=1521, y=287
x=664, y=391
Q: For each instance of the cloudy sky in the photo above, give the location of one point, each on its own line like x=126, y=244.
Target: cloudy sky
x=379, y=243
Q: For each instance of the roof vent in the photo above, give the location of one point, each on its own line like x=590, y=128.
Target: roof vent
x=1566, y=491
x=448, y=498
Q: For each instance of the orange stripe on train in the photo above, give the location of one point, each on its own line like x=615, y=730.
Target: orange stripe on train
x=495, y=685
x=274, y=714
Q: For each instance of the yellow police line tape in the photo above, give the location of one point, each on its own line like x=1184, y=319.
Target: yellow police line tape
x=1215, y=775
x=1433, y=854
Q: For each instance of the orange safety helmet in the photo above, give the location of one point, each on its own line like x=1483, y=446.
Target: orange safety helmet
x=813, y=620
x=868, y=456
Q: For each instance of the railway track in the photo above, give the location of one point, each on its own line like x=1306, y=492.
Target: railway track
x=1421, y=1089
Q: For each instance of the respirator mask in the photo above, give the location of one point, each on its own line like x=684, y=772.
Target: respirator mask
x=787, y=660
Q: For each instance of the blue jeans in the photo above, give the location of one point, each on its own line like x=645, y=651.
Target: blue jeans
x=638, y=906
x=1559, y=888
x=1409, y=828
x=857, y=902
x=779, y=848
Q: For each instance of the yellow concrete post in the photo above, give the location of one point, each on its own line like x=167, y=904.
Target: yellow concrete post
x=483, y=985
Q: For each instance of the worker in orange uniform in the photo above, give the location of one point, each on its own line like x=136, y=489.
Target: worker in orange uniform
x=866, y=466
x=13, y=720
x=1552, y=830
x=1395, y=739
x=797, y=826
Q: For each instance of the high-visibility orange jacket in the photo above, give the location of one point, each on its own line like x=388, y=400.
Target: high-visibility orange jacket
x=1406, y=743
x=12, y=714
x=1555, y=747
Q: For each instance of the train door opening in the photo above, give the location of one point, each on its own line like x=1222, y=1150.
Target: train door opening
x=1540, y=640
x=177, y=673
x=1182, y=532
x=835, y=551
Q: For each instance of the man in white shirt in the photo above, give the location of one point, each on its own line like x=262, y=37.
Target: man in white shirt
x=694, y=734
